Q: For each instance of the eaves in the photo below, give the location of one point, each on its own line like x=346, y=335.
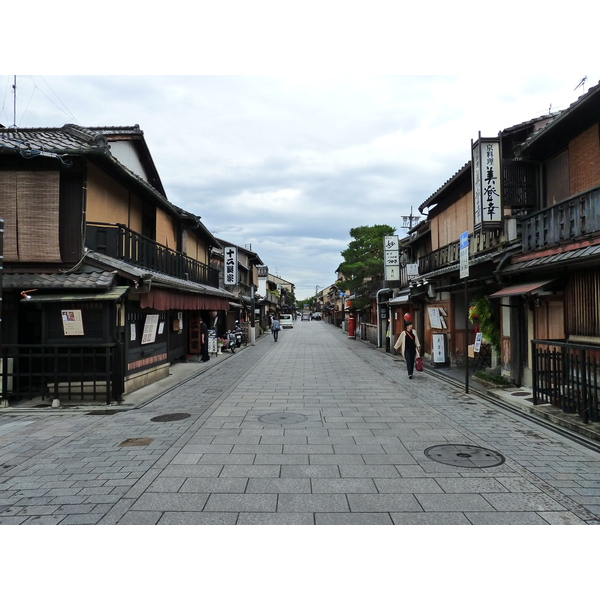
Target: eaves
x=139, y=276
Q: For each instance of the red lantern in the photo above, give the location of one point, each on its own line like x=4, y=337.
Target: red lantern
x=407, y=317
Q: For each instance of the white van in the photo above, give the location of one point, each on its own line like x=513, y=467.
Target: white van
x=286, y=321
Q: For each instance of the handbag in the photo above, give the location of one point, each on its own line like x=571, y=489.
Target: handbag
x=419, y=363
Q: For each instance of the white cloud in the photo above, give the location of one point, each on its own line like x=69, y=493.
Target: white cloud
x=290, y=163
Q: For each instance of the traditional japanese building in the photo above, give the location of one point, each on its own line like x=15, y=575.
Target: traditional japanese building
x=103, y=276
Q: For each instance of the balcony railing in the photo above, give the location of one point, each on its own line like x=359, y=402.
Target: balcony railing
x=567, y=376
x=568, y=220
x=120, y=242
x=450, y=254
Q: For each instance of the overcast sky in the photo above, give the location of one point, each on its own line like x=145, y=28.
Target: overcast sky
x=289, y=160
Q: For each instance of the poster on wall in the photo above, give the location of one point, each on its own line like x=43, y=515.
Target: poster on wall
x=434, y=318
x=438, y=349
x=150, y=327
x=72, y=322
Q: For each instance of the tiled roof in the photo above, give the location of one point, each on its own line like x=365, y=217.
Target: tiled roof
x=562, y=115
x=96, y=280
x=587, y=253
x=433, y=196
x=62, y=140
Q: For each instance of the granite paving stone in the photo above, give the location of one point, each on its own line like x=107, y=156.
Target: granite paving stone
x=388, y=502
x=298, y=503
x=358, y=459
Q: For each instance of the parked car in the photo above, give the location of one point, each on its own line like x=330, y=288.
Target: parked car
x=316, y=316
x=286, y=321
x=305, y=317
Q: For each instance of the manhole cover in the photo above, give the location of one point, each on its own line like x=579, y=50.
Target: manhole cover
x=170, y=417
x=137, y=442
x=282, y=418
x=520, y=394
x=471, y=457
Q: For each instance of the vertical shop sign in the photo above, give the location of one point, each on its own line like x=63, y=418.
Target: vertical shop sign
x=487, y=184
x=230, y=276
x=391, y=257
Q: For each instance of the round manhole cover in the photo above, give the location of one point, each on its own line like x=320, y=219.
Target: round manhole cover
x=170, y=417
x=520, y=394
x=282, y=418
x=471, y=457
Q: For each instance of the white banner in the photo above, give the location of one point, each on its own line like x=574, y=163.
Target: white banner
x=230, y=275
x=487, y=183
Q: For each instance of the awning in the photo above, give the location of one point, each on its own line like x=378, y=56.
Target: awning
x=521, y=289
x=160, y=299
x=113, y=295
x=403, y=299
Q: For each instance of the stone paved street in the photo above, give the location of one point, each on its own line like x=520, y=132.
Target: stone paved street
x=314, y=429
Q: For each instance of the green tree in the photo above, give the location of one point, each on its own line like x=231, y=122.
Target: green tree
x=362, y=268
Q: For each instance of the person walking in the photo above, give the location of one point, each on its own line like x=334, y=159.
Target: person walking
x=408, y=344
x=204, y=341
x=275, y=327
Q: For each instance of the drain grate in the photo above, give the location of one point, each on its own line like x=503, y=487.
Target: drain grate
x=471, y=457
x=170, y=417
x=105, y=411
x=137, y=442
x=282, y=418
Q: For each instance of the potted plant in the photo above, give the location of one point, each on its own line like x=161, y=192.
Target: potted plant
x=482, y=311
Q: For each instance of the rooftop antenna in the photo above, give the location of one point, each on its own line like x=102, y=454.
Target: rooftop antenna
x=581, y=84
x=15, y=102
x=407, y=221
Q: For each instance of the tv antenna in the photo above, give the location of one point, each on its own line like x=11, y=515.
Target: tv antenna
x=581, y=84
x=15, y=102
x=407, y=221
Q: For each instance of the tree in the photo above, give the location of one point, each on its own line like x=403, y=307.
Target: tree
x=362, y=268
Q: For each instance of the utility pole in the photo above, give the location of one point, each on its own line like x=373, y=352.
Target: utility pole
x=407, y=221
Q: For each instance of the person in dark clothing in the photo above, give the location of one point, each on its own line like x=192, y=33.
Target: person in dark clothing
x=408, y=344
x=204, y=341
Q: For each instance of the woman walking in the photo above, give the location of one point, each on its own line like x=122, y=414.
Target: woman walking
x=408, y=344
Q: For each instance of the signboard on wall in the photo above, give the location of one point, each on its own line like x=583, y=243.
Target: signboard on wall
x=72, y=322
x=150, y=327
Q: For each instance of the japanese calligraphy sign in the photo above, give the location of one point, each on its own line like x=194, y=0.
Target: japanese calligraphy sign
x=230, y=275
x=487, y=183
x=391, y=257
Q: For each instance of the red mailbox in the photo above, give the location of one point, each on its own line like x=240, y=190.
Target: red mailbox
x=351, y=334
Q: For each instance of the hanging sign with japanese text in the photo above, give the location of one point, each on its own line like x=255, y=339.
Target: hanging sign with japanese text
x=391, y=257
x=487, y=184
x=230, y=276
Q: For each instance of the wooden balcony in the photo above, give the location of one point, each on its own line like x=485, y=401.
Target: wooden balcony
x=567, y=221
x=120, y=242
x=449, y=255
